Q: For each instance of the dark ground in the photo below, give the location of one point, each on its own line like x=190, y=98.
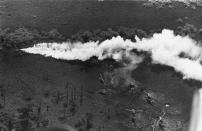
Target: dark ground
x=71, y=16
x=35, y=81
x=38, y=83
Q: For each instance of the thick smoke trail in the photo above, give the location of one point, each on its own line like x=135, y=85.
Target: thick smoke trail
x=181, y=53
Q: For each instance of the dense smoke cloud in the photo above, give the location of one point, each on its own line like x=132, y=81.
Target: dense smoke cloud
x=166, y=49
x=181, y=53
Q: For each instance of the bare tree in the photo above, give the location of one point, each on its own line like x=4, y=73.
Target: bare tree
x=81, y=96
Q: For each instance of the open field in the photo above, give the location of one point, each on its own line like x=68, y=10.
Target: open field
x=71, y=16
x=28, y=79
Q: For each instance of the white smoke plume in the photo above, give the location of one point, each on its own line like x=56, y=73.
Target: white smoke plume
x=122, y=77
x=165, y=48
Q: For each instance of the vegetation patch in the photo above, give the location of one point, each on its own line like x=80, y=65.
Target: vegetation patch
x=24, y=37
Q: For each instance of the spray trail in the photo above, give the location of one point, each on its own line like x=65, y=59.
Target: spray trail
x=165, y=48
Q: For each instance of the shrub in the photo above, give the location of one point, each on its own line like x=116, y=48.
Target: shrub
x=101, y=35
x=52, y=36
x=23, y=37
x=19, y=38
